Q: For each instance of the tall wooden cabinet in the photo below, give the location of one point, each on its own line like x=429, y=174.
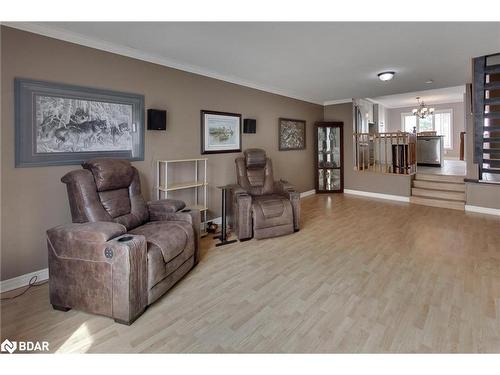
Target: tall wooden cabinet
x=329, y=157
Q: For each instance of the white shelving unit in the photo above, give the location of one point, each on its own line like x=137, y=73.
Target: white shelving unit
x=166, y=181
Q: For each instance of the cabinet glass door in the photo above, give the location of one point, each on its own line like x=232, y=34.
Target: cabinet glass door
x=329, y=164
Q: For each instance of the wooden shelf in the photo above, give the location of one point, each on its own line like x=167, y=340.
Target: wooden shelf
x=165, y=183
x=198, y=207
x=181, y=160
x=182, y=185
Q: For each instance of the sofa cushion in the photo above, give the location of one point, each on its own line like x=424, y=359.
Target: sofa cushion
x=171, y=238
x=110, y=174
x=271, y=210
x=115, y=202
x=255, y=158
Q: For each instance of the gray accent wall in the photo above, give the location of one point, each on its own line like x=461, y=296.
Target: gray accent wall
x=363, y=181
x=34, y=199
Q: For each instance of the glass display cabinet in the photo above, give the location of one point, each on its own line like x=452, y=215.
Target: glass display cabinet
x=329, y=157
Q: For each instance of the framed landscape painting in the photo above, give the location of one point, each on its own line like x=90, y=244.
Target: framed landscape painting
x=60, y=124
x=291, y=134
x=220, y=132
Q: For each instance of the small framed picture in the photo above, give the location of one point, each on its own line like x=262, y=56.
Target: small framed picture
x=220, y=132
x=292, y=134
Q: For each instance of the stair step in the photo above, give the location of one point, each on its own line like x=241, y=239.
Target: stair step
x=492, y=115
x=491, y=69
x=492, y=128
x=447, y=186
x=495, y=163
x=491, y=170
x=492, y=86
x=492, y=101
x=439, y=194
x=443, y=203
x=491, y=139
x=491, y=150
x=439, y=178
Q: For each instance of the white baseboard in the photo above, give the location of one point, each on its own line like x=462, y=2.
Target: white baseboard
x=307, y=193
x=369, y=194
x=483, y=210
x=23, y=280
x=216, y=220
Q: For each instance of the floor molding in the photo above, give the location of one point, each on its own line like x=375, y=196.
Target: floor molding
x=482, y=210
x=23, y=280
x=307, y=193
x=369, y=194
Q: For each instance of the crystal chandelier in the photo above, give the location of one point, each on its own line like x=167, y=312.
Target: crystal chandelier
x=422, y=111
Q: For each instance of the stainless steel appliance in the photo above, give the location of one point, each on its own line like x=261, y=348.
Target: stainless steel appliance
x=430, y=150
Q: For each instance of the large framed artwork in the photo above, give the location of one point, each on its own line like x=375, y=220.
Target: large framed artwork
x=291, y=134
x=59, y=124
x=220, y=132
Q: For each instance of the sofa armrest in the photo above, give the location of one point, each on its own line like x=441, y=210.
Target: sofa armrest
x=82, y=241
x=240, y=213
x=193, y=217
x=286, y=189
x=159, y=207
x=283, y=187
x=99, y=268
x=236, y=189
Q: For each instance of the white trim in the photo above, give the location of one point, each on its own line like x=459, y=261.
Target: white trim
x=483, y=210
x=339, y=101
x=23, y=280
x=369, y=194
x=307, y=193
x=118, y=49
x=215, y=220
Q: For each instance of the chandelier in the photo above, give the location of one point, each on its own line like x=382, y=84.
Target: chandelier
x=422, y=111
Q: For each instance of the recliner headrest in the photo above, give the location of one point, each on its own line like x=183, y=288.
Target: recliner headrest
x=255, y=158
x=110, y=174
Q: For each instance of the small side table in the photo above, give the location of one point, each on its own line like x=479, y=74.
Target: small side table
x=223, y=236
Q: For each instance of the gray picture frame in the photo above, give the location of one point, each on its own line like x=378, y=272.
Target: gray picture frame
x=26, y=92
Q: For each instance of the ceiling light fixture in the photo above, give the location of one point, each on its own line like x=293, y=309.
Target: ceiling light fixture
x=386, y=76
x=422, y=111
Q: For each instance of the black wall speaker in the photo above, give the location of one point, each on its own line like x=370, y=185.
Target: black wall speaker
x=249, y=125
x=157, y=119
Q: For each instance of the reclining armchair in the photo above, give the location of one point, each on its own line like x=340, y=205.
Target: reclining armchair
x=262, y=207
x=120, y=254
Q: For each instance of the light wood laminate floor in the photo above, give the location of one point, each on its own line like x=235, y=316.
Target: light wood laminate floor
x=362, y=275
x=449, y=168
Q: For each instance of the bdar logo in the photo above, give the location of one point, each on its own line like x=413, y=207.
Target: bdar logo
x=8, y=346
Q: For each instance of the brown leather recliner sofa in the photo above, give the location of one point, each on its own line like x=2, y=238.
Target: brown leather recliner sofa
x=120, y=254
x=262, y=207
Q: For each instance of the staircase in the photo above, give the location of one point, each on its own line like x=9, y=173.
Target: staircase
x=486, y=107
x=438, y=191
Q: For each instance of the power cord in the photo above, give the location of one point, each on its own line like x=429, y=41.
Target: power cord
x=30, y=285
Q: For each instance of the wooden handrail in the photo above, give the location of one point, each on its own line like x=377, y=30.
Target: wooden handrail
x=375, y=152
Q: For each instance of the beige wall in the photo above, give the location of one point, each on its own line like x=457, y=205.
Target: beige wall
x=394, y=123
x=34, y=199
x=363, y=181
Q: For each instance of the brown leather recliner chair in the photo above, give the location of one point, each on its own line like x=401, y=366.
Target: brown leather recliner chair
x=262, y=207
x=120, y=254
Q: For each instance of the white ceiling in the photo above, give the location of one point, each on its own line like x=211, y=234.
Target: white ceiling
x=317, y=62
x=436, y=96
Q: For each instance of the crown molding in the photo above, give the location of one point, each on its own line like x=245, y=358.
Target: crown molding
x=119, y=49
x=339, y=101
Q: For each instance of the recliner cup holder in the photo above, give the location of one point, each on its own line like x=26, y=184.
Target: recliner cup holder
x=125, y=238
x=186, y=210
